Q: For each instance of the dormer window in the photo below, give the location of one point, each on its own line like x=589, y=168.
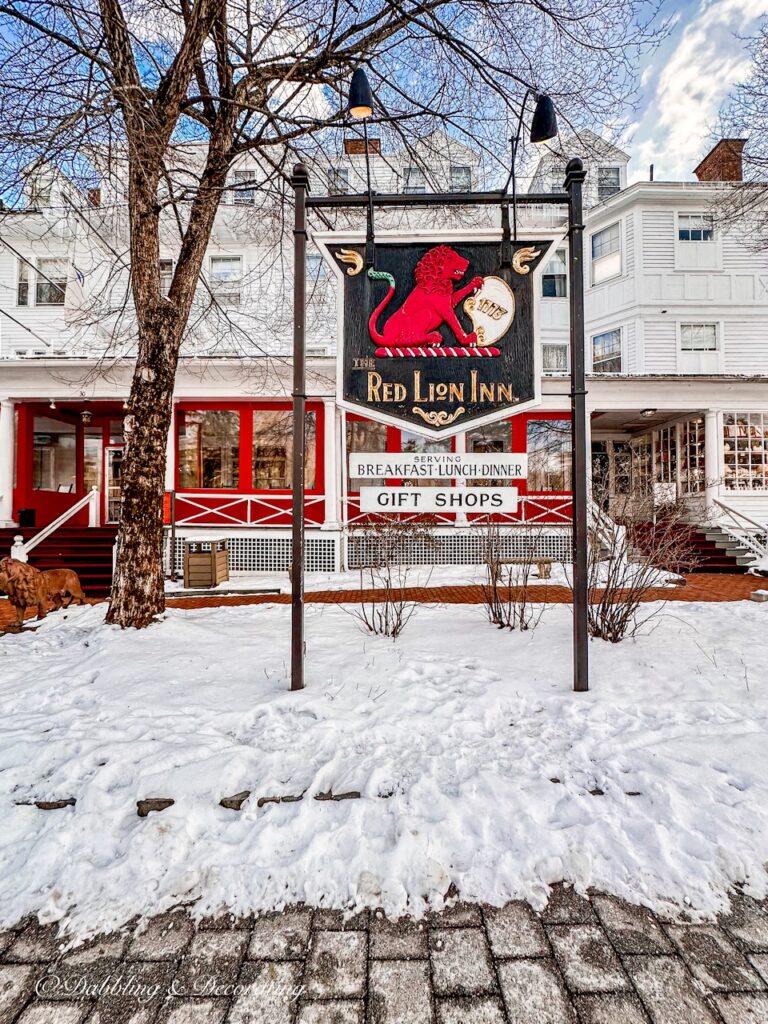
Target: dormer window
x=243, y=195
x=695, y=227
x=414, y=181
x=608, y=182
x=338, y=181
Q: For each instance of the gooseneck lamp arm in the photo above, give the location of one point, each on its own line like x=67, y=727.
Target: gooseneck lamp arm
x=370, y=245
x=360, y=106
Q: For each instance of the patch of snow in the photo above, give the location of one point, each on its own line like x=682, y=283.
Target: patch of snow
x=476, y=763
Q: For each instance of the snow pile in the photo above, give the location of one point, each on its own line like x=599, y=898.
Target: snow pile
x=475, y=762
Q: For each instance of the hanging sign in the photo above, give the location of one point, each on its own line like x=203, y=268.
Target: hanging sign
x=438, y=499
x=435, y=337
x=437, y=466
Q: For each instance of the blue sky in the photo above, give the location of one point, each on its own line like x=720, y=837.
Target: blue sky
x=685, y=82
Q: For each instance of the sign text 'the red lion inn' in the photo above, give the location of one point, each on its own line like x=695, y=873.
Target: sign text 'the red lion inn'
x=432, y=338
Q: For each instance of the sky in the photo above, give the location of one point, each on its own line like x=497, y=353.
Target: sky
x=685, y=82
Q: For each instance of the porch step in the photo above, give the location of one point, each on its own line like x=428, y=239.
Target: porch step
x=87, y=551
x=712, y=550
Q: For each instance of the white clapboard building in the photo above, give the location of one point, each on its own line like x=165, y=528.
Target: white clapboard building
x=677, y=362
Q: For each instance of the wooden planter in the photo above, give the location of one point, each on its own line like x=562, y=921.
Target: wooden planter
x=205, y=566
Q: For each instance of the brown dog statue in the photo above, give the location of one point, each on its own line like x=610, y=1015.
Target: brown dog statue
x=62, y=584
x=24, y=586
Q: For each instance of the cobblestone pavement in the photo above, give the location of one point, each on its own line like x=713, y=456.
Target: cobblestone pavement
x=596, y=961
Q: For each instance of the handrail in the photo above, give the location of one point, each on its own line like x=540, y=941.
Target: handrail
x=742, y=534
x=20, y=548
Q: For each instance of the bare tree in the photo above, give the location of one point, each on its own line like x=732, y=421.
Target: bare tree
x=179, y=90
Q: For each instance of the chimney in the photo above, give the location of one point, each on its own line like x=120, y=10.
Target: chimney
x=723, y=162
x=94, y=197
x=354, y=147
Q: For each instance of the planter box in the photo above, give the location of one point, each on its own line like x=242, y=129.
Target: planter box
x=206, y=563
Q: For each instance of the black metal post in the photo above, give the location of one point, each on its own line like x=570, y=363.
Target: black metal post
x=574, y=179
x=300, y=182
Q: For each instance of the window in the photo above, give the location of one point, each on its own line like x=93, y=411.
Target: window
x=692, y=477
x=93, y=441
x=554, y=358
x=553, y=280
x=243, y=195
x=666, y=456
x=22, y=289
x=745, y=451
x=226, y=278
x=51, y=282
x=338, y=181
x=606, y=257
x=365, y=436
x=695, y=227
x=54, y=455
x=461, y=178
x=416, y=443
x=414, y=180
x=698, y=337
x=490, y=439
x=317, y=268
x=40, y=193
x=273, y=450
x=166, y=276
x=608, y=182
x=209, y=448
x=606, y=352
x=549, y=455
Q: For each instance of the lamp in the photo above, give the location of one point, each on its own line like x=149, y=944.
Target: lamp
x=86, y=417
x=360, y=106
x=647, y=413
x=51, y=404
x=543, y=128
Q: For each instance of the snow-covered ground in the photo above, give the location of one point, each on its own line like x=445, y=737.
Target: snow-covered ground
x=476, y=763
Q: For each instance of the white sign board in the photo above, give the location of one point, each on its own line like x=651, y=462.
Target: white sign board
x=438, y=499
x=437, y=466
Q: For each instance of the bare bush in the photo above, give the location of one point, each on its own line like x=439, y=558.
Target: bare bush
x=508, y=598
x=387, y=571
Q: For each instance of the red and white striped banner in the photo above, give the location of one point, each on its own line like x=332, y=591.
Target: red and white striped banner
x=436, y=351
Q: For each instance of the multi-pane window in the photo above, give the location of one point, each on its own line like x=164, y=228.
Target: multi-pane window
x=51, y=282
x=745, y=451
x=549, y=455
x=461, y=178
x=209, y=448
x=608, y=182
x=416, y=443
x=554, y=357
x=665, y=456
x=695, y=227
x=54, y=455
x=244, y=194
x=317, y=268
x=698, y=337
x=22, y=288
x=273, y=450
x=692, y=477
x=226, y=278
x=40, y=195
x=554, y=279
x=338, y=181
x=414, y=180
x=606, y=254
x=166, y=276
x=365, y=436
x=606, y=352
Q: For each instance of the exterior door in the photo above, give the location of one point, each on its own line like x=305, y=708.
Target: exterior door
x=113, y=475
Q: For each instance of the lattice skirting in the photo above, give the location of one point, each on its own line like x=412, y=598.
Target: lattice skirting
x=270, y=551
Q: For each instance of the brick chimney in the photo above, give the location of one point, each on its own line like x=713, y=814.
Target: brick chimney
x=723, y=162
x=354, y=147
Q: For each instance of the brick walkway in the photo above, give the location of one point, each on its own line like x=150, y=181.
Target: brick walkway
x=699, y=587
x=597, y=961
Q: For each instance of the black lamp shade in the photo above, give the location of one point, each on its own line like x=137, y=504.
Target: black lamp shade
x=544, y=123
x=360, y=95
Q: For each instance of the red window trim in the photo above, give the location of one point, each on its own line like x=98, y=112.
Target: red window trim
x=246, y=444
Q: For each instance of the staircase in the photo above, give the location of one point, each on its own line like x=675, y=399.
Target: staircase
x=86, y=550
x=711, y=548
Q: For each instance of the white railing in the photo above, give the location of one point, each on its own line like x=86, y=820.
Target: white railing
x=609, y=534
x=20, y=548
x=222, y=510
x=747, y=531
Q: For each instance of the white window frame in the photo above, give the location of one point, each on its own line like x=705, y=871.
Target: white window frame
x=169, y=275
x=699, y=324
x=607, y=167
x=715, y=355
x=465, y=169
x=229, y=296
x=695, y=241
x=418, y=189
x=746, y=461
x=243, y=196
x=556, y=344
x=46, y=279
x=595, y=262
x=622, y=358
x=558, y=253
x=25, y=276
x=334, y=175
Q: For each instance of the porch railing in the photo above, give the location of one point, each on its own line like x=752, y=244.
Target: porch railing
x=742, y=528
x=608, y=533
x=20, y=548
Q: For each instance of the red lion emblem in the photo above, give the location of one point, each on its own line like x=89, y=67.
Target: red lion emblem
x=430, y=304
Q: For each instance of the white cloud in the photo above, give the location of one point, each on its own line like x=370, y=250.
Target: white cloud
x=699, y=73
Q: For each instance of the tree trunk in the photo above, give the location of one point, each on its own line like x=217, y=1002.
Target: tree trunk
x=138, y=588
